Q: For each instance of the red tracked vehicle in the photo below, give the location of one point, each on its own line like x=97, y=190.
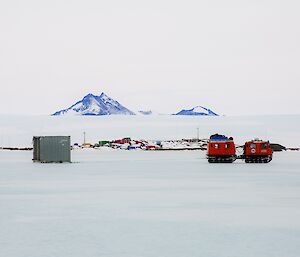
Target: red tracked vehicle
x=221, y=149
x=257, y=151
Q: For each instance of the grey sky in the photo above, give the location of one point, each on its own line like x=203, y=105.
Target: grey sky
x=236, y=57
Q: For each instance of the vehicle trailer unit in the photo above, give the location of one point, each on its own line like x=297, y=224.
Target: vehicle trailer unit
x=257, y=151
x=221, y=149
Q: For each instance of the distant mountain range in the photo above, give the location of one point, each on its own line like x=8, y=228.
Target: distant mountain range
x=94, y=105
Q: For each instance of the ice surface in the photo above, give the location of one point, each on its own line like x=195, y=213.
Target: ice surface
x=116, y=203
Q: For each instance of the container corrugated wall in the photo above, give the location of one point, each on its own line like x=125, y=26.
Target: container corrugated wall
x=52, y=149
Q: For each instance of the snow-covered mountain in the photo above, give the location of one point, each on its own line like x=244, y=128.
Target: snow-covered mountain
x=95, y=105
x=198, y=111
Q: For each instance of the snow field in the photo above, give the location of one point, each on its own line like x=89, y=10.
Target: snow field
x=17, y=131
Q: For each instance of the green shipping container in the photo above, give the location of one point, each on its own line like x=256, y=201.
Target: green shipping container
x=52, y=149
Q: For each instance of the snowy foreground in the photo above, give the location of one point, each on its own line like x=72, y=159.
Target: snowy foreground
x=115, y=203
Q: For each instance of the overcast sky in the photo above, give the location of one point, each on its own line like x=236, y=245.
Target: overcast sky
x=235, y=57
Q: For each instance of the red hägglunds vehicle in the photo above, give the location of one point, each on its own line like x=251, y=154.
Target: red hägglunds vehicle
x=257, y=151
x=221, y=149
